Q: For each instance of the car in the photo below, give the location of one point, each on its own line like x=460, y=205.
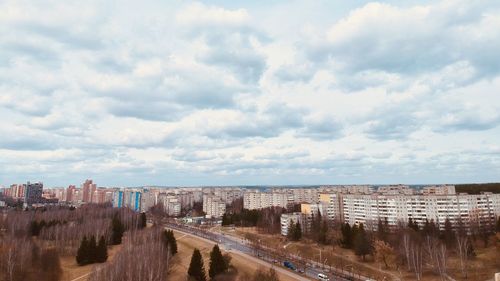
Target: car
x=300, y=270
x=275, y=261
x=289, y=265
x=323, y=277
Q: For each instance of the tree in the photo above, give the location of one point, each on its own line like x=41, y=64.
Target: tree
x=346, y=236
x=143, y=220
x=448, y=235
x=196, y=269
x=217, y=262
x=102, y=250
x=169, y=241
x=383, y=229
x=298, y=232
x=117, y=230
x=384, y=253
x=413, y=225
x=362, y=243
x=498, y=224
x=82, y=255
x=92, y=250
x=291, y=230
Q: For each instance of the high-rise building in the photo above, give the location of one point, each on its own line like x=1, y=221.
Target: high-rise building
x=88, y=188
x=33, y=193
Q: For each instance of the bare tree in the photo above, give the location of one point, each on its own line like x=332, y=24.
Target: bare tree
x=462, y=249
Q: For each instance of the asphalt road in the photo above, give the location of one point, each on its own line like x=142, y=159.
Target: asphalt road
x=311, y=270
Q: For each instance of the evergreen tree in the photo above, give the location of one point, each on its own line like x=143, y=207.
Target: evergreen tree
x=383, y=230
x=142, y=220
x=346, y=235
x=217, y=262
x=92, y=250
x=291, y=230
x=297, y=235
x=82, y=255
x=362, y=243
x=323, y=232
x=196, y=269
x=102, y=251
x=117, y=230
x=34, y=228
x=170, y=241
x=412, y=224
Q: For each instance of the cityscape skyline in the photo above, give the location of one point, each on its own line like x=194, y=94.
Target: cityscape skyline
x=187, y=93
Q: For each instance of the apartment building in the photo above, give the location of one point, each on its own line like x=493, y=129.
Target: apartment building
x=438, y=190
x=286, y=219
x=332, y=200
x=213, y=206
x=468, y=209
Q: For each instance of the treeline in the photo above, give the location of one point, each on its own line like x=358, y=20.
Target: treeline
x=477, y=188
x=407, y=245
x=22, y=260
x=145, y=255
x=267, y=220
x=61, y=230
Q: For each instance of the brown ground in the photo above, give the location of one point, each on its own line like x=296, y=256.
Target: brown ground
x=71, y=270
x=186, y=245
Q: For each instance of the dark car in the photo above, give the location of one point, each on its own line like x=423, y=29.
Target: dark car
x=290, y=265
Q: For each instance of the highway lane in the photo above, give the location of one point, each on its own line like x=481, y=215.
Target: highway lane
x=231, y=243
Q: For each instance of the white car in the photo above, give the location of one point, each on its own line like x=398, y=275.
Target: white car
x=323, y=277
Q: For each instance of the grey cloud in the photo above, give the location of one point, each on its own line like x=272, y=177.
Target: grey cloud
x=392, y=126
x=324, y=129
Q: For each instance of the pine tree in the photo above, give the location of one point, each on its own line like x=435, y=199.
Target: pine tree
x=217, y=263
x=92, y=250
x=117, y=230
x=143, y=220
x=102, y=250
x=291, y=230
x=346, y=235
x=196, y=269
x=82, y=256
x=297, y=232
x=169, y=241
x=382, y=230
x=362, y=243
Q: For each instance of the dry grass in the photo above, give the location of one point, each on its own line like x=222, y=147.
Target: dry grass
x=71, y=270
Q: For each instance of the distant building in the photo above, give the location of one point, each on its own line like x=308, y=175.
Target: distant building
x=213, y=206
x=33, y=193
x=286, y=219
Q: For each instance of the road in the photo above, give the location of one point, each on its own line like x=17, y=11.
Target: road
x=311, y=269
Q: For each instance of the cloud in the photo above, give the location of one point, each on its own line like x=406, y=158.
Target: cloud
x=234, y=93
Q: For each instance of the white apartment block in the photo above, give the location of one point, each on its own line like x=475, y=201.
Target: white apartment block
x=395, y=189
x=368, y=209
x=291, y=217
x=278, y=197
x=213, y=206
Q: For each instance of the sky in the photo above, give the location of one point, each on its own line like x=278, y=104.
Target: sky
x=133, y=93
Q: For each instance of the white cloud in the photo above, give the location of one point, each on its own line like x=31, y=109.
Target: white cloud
x=198, y=93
